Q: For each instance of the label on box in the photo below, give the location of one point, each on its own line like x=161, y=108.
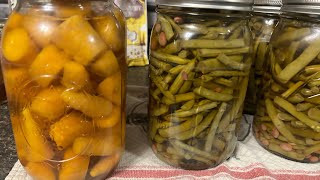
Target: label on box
x=135, y=12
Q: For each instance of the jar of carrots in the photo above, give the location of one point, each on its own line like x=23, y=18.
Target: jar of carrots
x=64, y=71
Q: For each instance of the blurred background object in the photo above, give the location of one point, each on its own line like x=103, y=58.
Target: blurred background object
x=4, y=11
x=135, y=12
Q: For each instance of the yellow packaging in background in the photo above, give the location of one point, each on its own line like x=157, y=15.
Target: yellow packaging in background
x=137, y=31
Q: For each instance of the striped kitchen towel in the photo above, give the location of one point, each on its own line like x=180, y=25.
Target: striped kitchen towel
x=250, y=161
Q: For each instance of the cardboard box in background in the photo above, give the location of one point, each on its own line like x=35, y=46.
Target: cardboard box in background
x=137, y=30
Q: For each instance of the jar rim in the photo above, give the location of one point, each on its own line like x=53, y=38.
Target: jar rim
x=267, y=9
x=237, y=5
x=304, y=9
x=268, y=2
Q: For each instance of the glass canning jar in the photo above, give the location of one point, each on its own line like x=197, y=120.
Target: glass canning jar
x=287, y=121
x=264, y=19
x=64, y=70
x=200, y=58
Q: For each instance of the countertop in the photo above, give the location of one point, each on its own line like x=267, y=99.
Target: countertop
x=8, y=155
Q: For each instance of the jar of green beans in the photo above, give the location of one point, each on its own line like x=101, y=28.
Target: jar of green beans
x=200, y=58
x=262, y=23
x=287, y=121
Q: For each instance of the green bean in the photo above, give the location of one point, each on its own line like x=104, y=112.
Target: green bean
x=179, y=98
x=166, y=27
x=285, y=116
x=155, y=94
x=272, y=112
x=314, y=114
x=153, y=127
x=160, y=110
x=225, y=30
x=313, y=99
x=212, y=23
x=174, y=25
x=292, y=155
x=298, y=124
x=178, y=82
x=184, y=54
x=169, y=58
x=291, y=52
x=214, y=126
x=292, y=89
x=188, y=105
x=155, y=70
x=223, y=81
x=261, y=55
x=237, y=105
x=179, y=151
x=172, y=48
x=161, y=87
x=311, y=141
x=160, y=64
x=159, y=147
x=187, y=84
x=233, y=64
x=315, y=90
x=264, y=119
x=214, y=96
x=218, y=144
x=306, y=92
x=220, y=30
x=217, y=52
x=313, y=83
x=305, y=133
x=210, y=65
x=277, y=68
x=174, y=119
x=301, y=62
x=227, y=73
x=159, y=139
x=304, y=106
x=312, y=69
x=195, y=28
x=168, y=78
x=256, y=46
x=195, y=110
x=210, y=35
x=276, y=87
x=192, y=149
x=301, y=116
x=296, y=98
x=236, y=33
x=312, y=149
x=212, y=44
x=198, y=129
x=292, y=35
x=176, y=70
x=184, y=126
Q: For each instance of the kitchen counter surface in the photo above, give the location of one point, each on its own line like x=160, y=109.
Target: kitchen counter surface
x=8, y=155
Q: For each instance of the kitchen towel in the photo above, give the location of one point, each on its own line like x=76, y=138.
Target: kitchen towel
x=250, y=161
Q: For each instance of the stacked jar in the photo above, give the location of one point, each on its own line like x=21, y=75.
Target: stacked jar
x=200, y=58
x=287, y=121
x=65, y=70
x=262, y=23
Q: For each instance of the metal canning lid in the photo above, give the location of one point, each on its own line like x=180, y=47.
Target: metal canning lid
x=237, y=5
x=301, y=1
x=267, y=6
x=268, y=2
x=301, y=6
